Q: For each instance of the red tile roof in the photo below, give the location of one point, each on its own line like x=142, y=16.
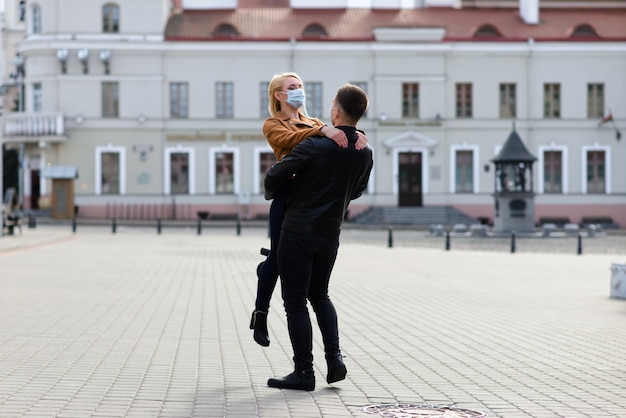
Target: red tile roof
x=284, y=23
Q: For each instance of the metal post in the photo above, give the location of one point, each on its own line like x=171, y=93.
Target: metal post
x=238, y=226
x=390, y=237
x=580, y=244
x=159, y=226
x=74, y=224
x=447, y=240
x=114, y=226
x=512, y=241
x=199, y=226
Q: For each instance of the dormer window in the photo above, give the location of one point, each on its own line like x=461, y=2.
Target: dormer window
x=584, y=31
x=487, y=31
x=110, y=18
x=226, y=30
x=314, y=30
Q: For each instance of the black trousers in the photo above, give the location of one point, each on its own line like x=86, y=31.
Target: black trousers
x=305, y=263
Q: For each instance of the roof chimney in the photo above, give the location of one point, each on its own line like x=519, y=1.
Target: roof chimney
x=529, y=10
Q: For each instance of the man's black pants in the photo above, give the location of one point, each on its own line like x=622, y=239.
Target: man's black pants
x=305, y=263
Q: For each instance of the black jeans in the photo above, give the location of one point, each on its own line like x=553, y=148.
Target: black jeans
x=268, y=273
x=305, y=263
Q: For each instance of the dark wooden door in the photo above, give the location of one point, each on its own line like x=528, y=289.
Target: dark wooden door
x=410, y=179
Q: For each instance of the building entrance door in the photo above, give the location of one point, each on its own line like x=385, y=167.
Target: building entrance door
x=410, y=179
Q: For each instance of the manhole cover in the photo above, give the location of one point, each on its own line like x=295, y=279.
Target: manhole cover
x=423, y=410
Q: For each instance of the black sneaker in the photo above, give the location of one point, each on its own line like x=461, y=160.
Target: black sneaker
x=304, y=380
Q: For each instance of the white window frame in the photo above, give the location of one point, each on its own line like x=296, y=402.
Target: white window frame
x=475, y=168
x=607, y=166
x=37, y=95
x=167, y=168
x=257, y=167
x=35, y=19
x=236, y=168
x=564, y=167
x=98, y=156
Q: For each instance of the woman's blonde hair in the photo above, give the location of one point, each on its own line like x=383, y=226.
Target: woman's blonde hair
x=276, y=84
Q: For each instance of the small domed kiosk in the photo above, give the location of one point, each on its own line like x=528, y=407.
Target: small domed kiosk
x=514, y=195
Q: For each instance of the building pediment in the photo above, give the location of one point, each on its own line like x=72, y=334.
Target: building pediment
x=410, y=139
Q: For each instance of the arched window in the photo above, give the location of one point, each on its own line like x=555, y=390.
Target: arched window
x=36, y=18
x=584, y=31
x=226, y=30
x=110, y=18
x=487, y=31
x=314, y=30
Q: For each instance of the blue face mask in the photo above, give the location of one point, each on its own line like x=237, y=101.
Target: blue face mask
x=295, y=98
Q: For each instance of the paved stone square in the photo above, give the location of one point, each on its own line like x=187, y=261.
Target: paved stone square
x=136, y=324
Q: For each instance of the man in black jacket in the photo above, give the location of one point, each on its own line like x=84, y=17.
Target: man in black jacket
x=325, y=179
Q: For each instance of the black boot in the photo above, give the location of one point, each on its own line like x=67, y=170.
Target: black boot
x=258, y=323
x=303, y=380
x=336, y=368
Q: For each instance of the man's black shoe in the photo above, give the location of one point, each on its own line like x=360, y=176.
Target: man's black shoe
x=304, y=380
x=336, y=368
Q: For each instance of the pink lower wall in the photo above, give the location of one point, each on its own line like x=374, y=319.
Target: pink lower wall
x=575, y=213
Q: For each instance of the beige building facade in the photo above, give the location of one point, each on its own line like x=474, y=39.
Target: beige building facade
x=158, y=105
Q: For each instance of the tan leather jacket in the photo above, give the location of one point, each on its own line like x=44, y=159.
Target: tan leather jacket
x=283, y=133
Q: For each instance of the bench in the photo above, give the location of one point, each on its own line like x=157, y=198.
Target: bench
x=606, y=222
x=558, y=221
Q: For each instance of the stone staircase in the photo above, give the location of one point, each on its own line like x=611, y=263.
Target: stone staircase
x=415, y=216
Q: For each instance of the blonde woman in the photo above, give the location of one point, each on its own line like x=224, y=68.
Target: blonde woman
x=287, y=126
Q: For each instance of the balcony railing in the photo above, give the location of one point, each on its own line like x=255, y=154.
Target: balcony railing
x=40, y=125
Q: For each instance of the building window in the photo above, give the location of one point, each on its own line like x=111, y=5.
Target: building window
x=37, y=98
x=36, y=19
x=596, y=172
x=179, y=173
x=363, y=86
x=464, y=170
x=224, y=173
x=584, y=31
x=110, y=99
x=410, y=100
x=224, y=100
x=552, y=172
x=507, y=101
x=314, y=98
x=21, y=10
x=463, y=100
x=264, y=111
x=487, y=31
x=595, y=100
x=178, y=100
x=314, y=30
x=225, y=30
x=110, y=18
x=552, y=100
x=266, y=161
x=110, y=165
x=110, y=178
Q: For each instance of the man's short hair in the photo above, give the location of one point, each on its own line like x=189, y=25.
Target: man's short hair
x=353, y=101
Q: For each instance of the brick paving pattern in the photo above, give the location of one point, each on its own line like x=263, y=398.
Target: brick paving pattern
x=135, y=324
